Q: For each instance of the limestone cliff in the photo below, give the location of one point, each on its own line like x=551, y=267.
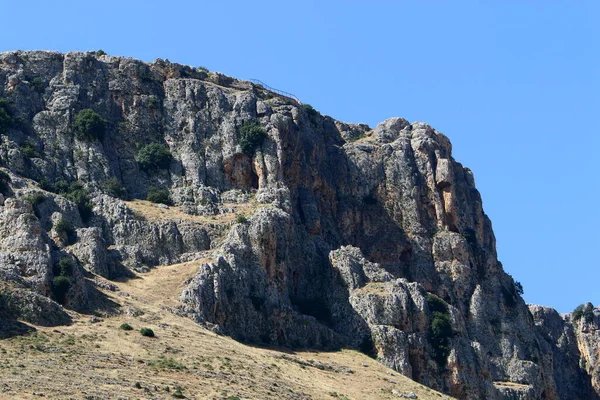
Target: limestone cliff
x=370, y=238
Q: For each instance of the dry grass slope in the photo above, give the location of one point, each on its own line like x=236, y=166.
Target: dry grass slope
x=95, y=359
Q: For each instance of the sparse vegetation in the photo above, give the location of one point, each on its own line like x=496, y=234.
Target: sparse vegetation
x=440, y=329
x=64, y=267
x=89, y=125
x=585, y=311
x=63, y=227
x=126, y=327
x=250, y=136
x=240, y=219
x=152, y=103
x=35, y=199
x=153, y=157
x=519, y=288
x=37, y=84
x=100, y=53
x=79, y=195
x=147, y=332
x=161, y=196
x=28, y=150
x=115, y=188
x=6, y=119
x=178, y=393
x=167, y=363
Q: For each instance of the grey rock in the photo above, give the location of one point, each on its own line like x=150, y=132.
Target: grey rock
x=351, y=228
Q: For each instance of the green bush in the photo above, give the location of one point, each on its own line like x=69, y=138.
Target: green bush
x=250, y=136
x=61, y=186
x=28, y=150
x=166, y=363
x=585, y=311
x=178, y=393
x=64, y=267
x=89, y=125
x=78, y=194
x=310, y=111
x=4, y=181
x=161, y=196
x=37, y=84
x=100, y=53
x=240, y=219
x=126, y=327
x=35, y=199
x=440, y=329
x=519, y=288
x=436, y=304
x=147, y=332
x=115, y=188
x=62, y=227
x=153, y=157
x=60, y=287
x=152, y=103
x=6, y=119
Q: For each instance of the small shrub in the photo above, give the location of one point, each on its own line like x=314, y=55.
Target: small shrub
x=100, y=53
x=178, y=393
x=240, y=219
x=37, y=84
x=62, y=227
x=250, y=136
x=519, y=288
x=78, y=194
x=28, y=150
x=152, y=103
x=153, y=157
x=4, y=181
x=64, y=267
x=310, y=111
x=126, y=327
x=147, y=332
x=6, y=119
x=35, y=199
x=115, y=188
x=61, y=186
x=60, y=287
x=440, y=329
x=89, y=125
x=585, y=311
x=167, y=363
x=161, y=196
x=436, y=304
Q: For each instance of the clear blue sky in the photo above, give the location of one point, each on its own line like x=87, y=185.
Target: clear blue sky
x=514, y=84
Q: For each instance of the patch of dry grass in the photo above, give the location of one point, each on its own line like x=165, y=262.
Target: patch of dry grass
x=154, y=212
x=90, y=359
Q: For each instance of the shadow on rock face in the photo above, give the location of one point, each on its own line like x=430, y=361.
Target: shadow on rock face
x=10, y=328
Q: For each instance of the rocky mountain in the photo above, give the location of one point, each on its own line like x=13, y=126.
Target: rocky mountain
x=320, y=234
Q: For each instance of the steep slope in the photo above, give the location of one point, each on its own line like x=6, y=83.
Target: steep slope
x=370, y=238
x=94, y=358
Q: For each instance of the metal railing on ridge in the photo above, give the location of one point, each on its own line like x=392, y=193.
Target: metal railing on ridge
x=272, y=89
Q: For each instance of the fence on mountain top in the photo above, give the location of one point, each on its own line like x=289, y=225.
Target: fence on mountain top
x=272, y=89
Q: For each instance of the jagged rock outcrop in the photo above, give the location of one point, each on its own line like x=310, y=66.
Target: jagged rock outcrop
x=374, y=239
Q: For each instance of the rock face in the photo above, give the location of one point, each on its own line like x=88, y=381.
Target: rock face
x=374, y=239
